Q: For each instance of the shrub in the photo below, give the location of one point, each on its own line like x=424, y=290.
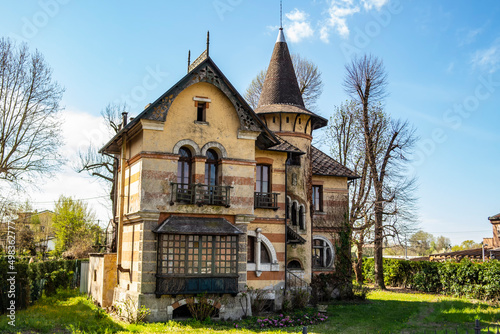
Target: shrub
x=359, y=292
x=131, y=313
x=258, y=300
x=466, y=278
x=201, y=307
x=60, y=278
x=297, y=319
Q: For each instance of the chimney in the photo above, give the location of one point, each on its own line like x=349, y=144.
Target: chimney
x=124, y=119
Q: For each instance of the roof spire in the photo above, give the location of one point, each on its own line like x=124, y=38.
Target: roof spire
x=281, y=14
x=280, y=85
x=189, y=59
x=208, y=42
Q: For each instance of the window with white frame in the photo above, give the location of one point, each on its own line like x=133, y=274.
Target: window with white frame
x=261, y=255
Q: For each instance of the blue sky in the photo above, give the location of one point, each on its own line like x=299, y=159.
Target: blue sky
x=442, y=58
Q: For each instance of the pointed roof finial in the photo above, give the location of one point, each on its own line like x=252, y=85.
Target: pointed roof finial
x=189, y=59
x=208, y=42
x=281, y=14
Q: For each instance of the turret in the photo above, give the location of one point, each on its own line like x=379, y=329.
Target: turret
x=281, y=105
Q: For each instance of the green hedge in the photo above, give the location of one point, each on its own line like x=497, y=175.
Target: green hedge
x=29, y=279
x=466, y=278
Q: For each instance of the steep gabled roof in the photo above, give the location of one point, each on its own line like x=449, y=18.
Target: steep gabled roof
x=323, y=164
x=205, y=71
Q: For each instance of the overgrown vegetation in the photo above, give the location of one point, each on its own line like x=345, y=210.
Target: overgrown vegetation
x=468, y=279
x=130, y=312
x=32, y=278
x=203, y=307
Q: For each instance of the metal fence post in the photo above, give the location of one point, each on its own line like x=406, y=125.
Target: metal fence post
x=477, y=327
x=304, y=330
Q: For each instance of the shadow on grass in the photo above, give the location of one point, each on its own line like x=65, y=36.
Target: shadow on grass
x=416, y=313
x=67, y=311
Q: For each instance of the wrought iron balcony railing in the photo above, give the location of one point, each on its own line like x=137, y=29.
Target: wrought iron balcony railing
x=201, y=194
x=266, y=200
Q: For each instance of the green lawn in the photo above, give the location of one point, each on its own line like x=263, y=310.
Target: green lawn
x=383, y=312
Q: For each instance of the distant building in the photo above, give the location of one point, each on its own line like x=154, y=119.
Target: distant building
x=495, y=241
x=41, y=224
x=214, y=196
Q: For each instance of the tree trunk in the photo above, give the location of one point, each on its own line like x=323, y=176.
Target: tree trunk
x=358, y=267
x=378, y=255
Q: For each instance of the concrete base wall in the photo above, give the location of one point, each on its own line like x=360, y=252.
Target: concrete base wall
x=162, y=309
x=102, y=278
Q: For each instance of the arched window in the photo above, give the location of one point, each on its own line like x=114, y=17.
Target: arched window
x=294, y=214
x=184, y=167
x=322, y=253
x=302, y=218
x=264, y=254
x=211, y=168
x=265, y=257
x=294, y=264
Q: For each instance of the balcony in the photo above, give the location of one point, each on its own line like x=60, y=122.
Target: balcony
x=168, y=285
x=266, y=200
x=201, y=194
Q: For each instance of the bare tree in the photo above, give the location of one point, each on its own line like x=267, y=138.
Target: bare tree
x=366, y=83
x=308, y=78
x=252, y=94
x=30, y=131
x=103, y=166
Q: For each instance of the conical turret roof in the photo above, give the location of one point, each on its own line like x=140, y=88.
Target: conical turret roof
x=280, y=85
x=280, y=92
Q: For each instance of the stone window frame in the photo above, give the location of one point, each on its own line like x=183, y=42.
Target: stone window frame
x=330, y=265
x=257, y=266
x=300, y=215
x=195, y=149
x=217, y=147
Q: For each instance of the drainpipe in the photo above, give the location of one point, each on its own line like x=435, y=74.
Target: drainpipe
x=123, y=161
x=286, y=213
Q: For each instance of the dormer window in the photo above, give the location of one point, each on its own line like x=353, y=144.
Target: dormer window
x=201, y=103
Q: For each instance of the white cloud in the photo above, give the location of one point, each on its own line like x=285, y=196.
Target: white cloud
x=296, y=15
x=487, y=59
x=79, y=129
x=299, y=27
x=340, y=10
x=377, y=4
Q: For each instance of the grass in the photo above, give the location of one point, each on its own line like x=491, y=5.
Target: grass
x=382, y=312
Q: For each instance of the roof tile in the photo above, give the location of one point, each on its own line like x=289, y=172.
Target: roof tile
x=323, y=164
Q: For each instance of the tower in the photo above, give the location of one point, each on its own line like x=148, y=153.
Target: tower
x=282, y=109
